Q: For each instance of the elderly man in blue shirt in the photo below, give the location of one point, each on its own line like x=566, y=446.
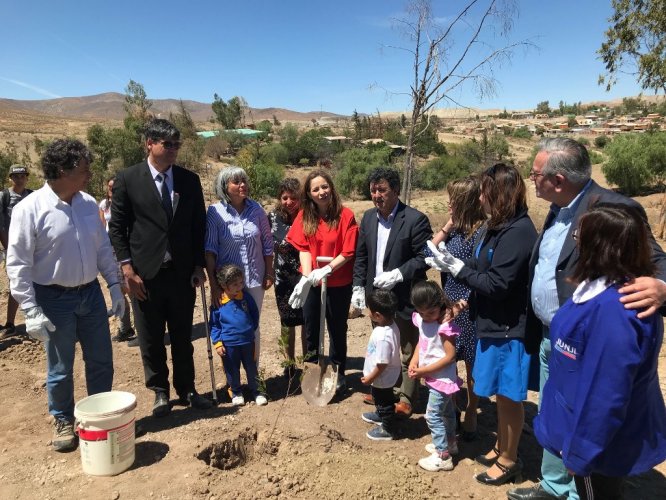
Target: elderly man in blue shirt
x=561, y=175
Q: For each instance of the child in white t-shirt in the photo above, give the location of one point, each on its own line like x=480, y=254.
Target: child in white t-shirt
x=382, y=364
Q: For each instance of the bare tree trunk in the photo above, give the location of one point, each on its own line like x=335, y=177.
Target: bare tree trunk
x=409, y=168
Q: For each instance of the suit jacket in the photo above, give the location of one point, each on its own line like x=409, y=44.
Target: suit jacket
x=566, y=263
x=139, y=227
x=404, y=250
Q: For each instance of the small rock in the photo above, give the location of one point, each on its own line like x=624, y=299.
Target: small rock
x=115, y=495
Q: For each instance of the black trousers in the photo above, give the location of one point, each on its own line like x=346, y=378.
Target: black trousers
x=338, y=299
x=598, y=487
x=170, y=303
x=385, y=405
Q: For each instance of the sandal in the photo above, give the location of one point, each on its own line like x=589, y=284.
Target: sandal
x=488, y=462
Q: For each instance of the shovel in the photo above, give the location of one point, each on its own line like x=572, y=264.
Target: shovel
x=320, y=381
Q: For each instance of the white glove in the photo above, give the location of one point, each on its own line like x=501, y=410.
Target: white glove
x=358, y=297
x=318, y=274
x=300, y=293
x=117, y=301
x=37, y=325
x=388, y=279
x=443, y=261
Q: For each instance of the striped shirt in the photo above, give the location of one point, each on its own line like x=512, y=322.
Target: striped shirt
x=242, y=239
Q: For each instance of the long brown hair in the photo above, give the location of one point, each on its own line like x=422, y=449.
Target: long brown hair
x=466, y=209
x=309, y=207
x=288, y=185
x=613, y=241
x=504, y=191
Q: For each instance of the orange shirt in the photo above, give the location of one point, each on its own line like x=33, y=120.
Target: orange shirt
x=327, y=242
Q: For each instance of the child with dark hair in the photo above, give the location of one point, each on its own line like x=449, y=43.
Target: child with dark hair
x=435, y=362
x=602, y=408
x=232, y=327
x=382, y=363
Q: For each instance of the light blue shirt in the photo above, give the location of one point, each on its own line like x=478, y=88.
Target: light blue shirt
x=544, y=287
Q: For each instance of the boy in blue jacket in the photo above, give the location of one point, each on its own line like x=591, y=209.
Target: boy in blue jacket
x=232, y=327
x=602, y=409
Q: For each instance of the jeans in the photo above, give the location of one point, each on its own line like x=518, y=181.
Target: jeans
x=556, y=480
x=78, y=315
x=233, y=357
x=441, y=418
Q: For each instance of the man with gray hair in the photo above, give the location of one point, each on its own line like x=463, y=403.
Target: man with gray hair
x=157, y=228
x=562, y=175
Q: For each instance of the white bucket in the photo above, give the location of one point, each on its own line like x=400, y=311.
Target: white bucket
x=105, y=425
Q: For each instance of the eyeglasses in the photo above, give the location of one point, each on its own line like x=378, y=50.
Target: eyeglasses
x=534, y=175
x=171, y=144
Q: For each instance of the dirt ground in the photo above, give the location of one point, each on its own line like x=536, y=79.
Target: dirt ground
x=287, y=449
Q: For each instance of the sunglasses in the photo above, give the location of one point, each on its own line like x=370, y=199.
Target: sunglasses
x=171, y=144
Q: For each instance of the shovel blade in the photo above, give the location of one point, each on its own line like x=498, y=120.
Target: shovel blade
x=320, y=382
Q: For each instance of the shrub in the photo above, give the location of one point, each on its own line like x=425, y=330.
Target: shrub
x=354, y=165
x=274, y=153
x=191, y=154
x=595, y=157
x=215, y=147
x=583, y=140
x=601, y=141
x=522, y=133
x=265, y=179
x=438, y=172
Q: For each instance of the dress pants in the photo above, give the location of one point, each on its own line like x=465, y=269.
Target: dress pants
x=409, y=341
x=338, y=299
x=170, y=302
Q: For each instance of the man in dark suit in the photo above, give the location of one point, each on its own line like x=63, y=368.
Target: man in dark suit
x=157, y=229
x=561, y=174
x=389, y=255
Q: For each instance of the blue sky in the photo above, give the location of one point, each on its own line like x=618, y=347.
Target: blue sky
x=296, y=54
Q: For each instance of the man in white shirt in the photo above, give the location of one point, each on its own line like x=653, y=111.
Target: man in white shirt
x=57, y=246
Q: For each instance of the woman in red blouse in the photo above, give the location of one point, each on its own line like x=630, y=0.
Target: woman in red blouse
x=324, y=228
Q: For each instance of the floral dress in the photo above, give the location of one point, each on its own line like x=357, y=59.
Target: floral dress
x=461, y=247
x=287, y=274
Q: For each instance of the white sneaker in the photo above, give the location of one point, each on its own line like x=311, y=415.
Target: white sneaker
x=452, y=448
x=238, y=401
x=261, y=400
x=434, y=463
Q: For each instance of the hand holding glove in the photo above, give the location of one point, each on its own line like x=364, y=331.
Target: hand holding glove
x=388, y=279
x=37, y=325
x=117, y=301
x=300, y=293
x=318, y=274
x=443, y=261
x=358, y=297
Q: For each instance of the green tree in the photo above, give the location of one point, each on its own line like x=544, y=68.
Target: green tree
x=229, y=114
x=635, y=42
x=355, y=164
x=265, y=126
x=601, y=141
x=183, y=121
x=543, y=107
x=636, y=161
x=137, y=107
x=438, y=172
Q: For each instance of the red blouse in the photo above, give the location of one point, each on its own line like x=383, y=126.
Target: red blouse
x=328, y=242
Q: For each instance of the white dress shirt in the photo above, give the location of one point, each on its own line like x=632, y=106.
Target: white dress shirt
x=54, y=243
x=383, y=230
x=168, y=174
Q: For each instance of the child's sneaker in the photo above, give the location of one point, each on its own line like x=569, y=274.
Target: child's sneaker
x=435, y=463
x=371, y=417
x=379, y=434
x=238, y=400
x=452, y=448
x=261, y=400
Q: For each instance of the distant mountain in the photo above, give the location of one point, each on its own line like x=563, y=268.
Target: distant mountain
x=109, y=106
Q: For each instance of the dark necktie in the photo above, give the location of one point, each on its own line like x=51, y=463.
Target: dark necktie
x=166, y=199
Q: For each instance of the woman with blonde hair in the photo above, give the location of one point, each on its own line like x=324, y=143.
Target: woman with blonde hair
x=458, y=236
x=324, y=228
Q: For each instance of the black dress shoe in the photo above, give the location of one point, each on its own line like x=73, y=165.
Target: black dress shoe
x=488, y=462
x=533, y=493
x=123, y=336
x=161, y=406
x=196, y=400
x=513, y=473
x=133, y=342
